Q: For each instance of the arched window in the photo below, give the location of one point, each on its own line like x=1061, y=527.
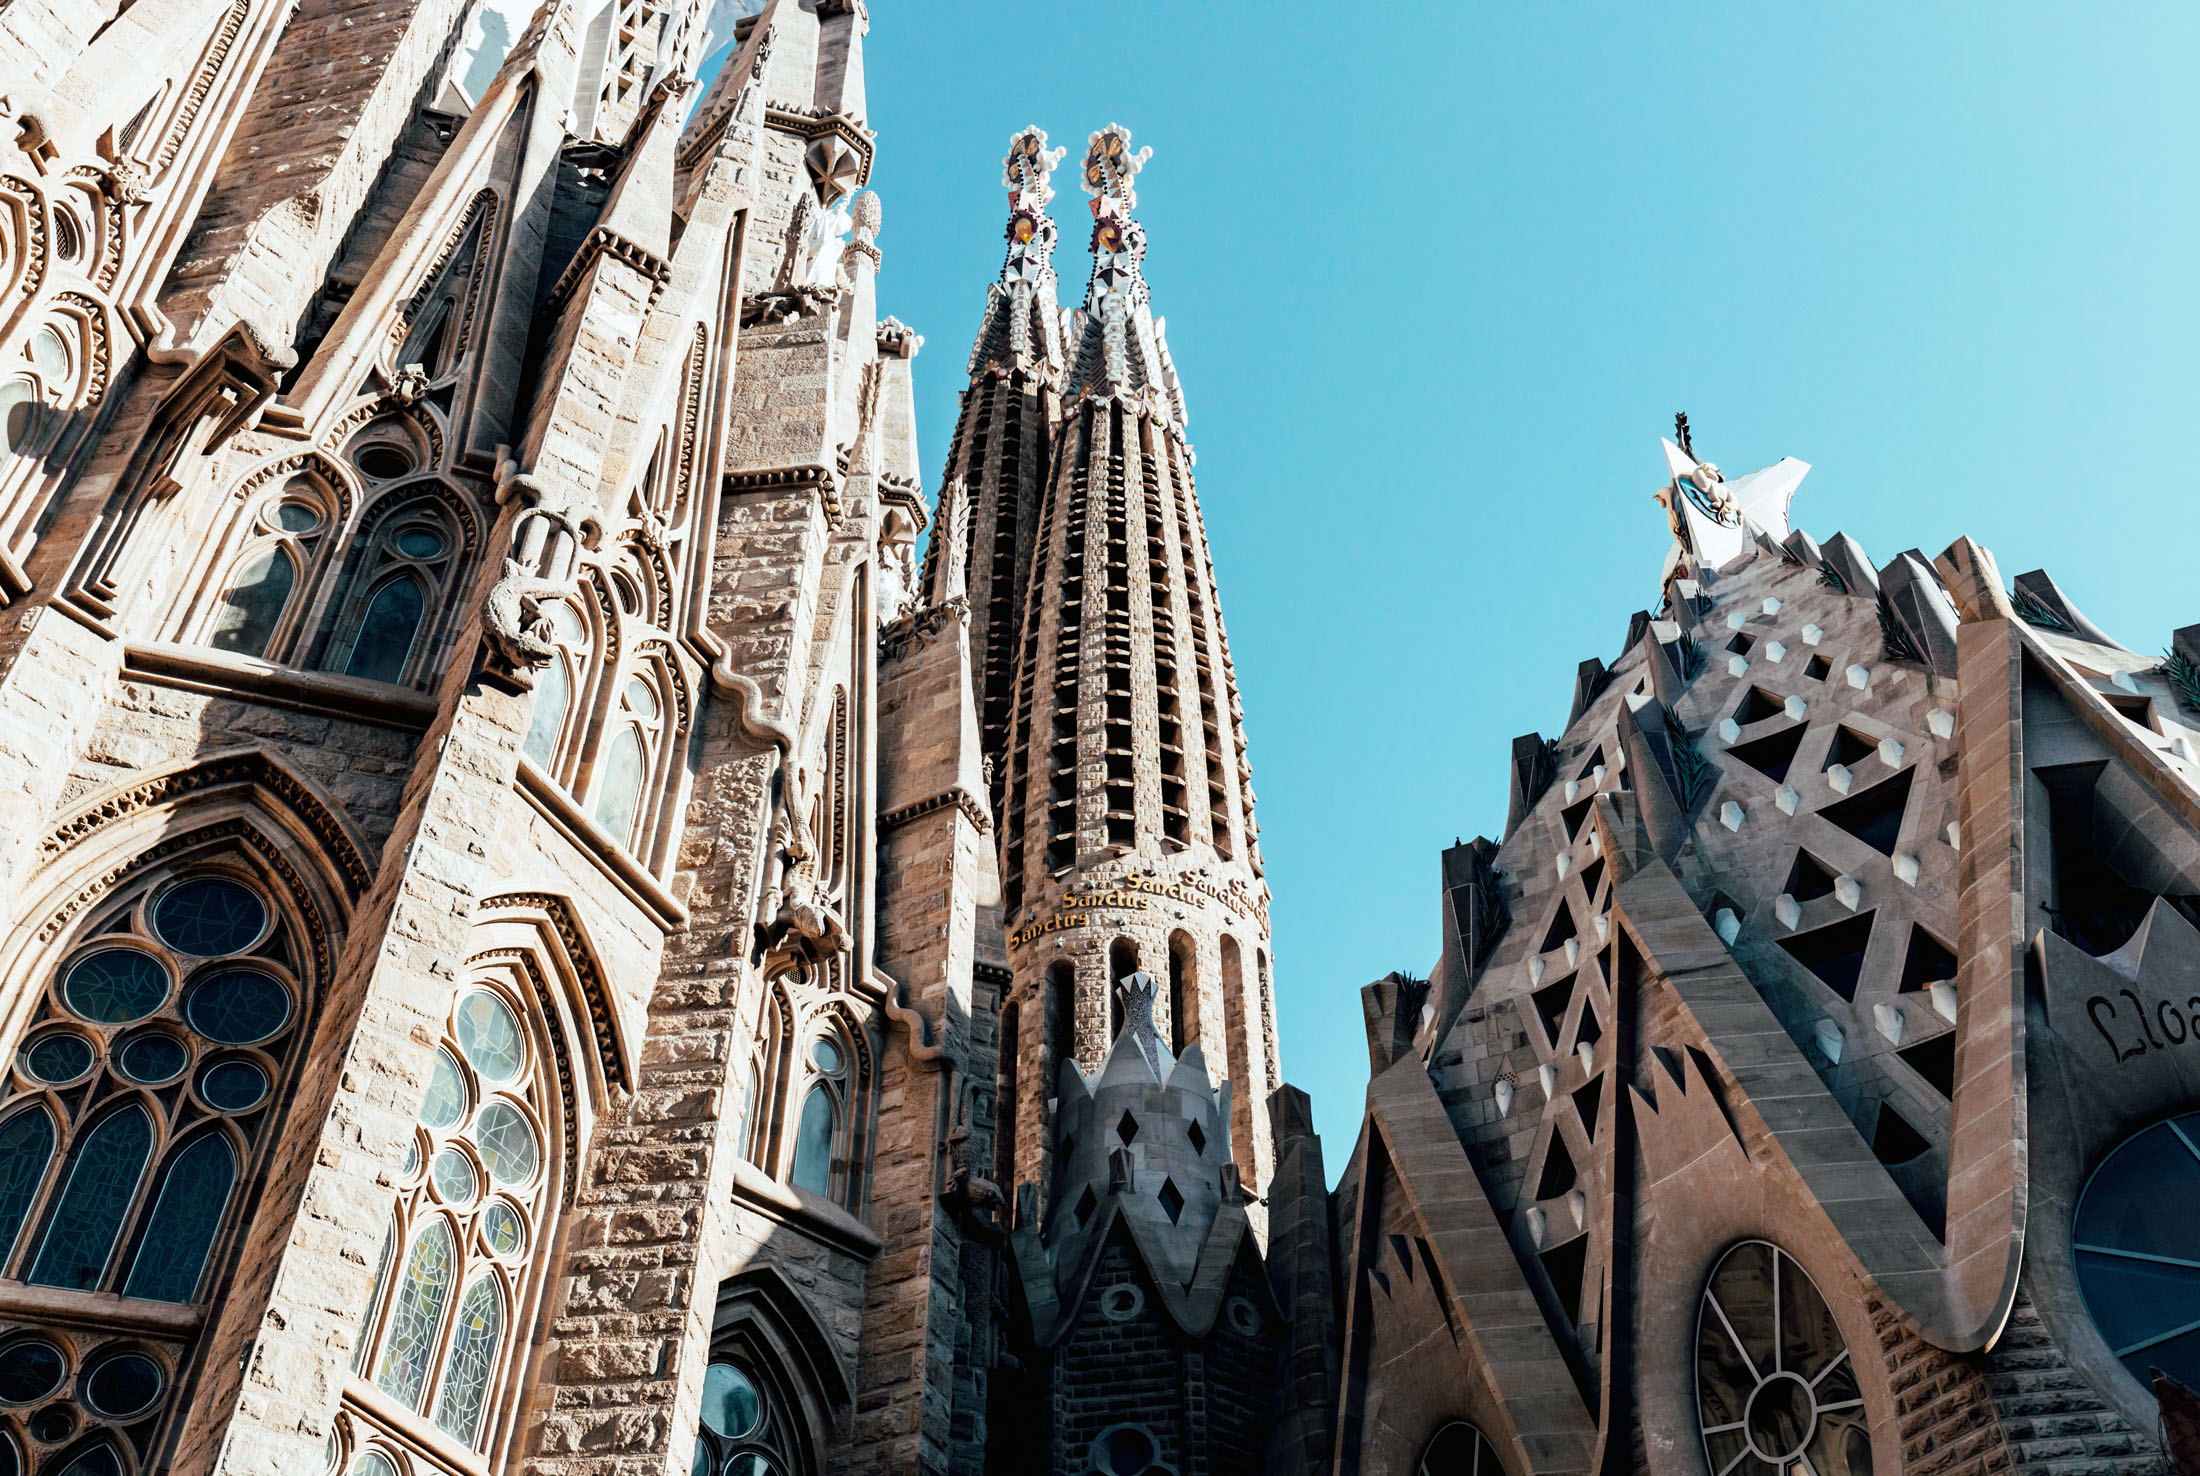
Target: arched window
x=2132, y=1237
x=264, y=568
x=825, y=1103
x=1775, y=1387
x=556, y=686
x=463, y=1259
x=1122, y=963
x=139, y=1097
x=396, y=584
x=742, y=1431
x=1459, y=1449
x=1183, y=992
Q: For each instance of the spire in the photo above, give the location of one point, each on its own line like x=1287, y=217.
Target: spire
x=1121, y=352
x=1021, y=329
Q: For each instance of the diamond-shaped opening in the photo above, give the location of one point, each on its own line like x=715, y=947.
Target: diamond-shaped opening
x=1741, y=643
x=1558, y=1170
x=1592, y=876
x=1875, y=816
x=1773, y=754
x=1586, y=1102
x=1562, y=928
x=1589, y=769
x=1935, y=1060
x=1758, y=706
x=1809, y=878
x=1817, y=669
x=1566, y=1265
x=1573, y=815
x=1835, y=954
x=1198, y=1137
x=1172, y=1201
x=1550, y=1007
x=1068, y=1146
x=1087, y=1202
x=1848, y=749
x=1894, y=1140
x=1127, y=1127
x=1928, y=961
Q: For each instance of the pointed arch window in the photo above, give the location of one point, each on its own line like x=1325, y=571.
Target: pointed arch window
x=440, y=1337
x=272, y=559
x=556, y=686
x=384, y=630
x=822, y=1133
x=138, y=1098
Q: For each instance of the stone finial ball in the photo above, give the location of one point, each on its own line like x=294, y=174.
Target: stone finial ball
x=867, y=214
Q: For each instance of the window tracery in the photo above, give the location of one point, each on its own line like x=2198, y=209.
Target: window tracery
x=741, y=1429
x=1459, y=1449
x=386, y=628
x=461, y=1261
x=1776, y=1391
x=140, y=1094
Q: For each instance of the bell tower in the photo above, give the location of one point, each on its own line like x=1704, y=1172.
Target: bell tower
x=1124, y=797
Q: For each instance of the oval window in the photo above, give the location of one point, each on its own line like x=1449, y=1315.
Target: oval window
x=1774, y=1385
x=209, y=916
x=420, y=543
x=115, y=986
x=2138, y=1268
x=382, y=461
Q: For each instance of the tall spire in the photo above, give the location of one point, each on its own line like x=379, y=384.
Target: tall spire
x=998, y=461
x=1121, y=785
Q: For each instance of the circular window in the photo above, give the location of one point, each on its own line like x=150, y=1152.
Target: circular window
x=208, y=916
x=115, y=986
x=1125, y=1450
x=2137, y=1267
x=153, y=1058
x=420, y=543
x=54, y=1424
x=61, y=1057
x=51, y=354
x=1774, y=1383
x=507, y=1143
x=382, y=461
x=30, y=1371
x=639, y=697
x=453, y=1176
x=1121, y=1303
x=122, y=1386
x=445, y=1100
x=731, y=1404
x=233, y=1086
x=296, y=517
x=1243, y=1315
x=1459, y=1449
x=825, y=1056
x=502, y=1229
x=238, y=1006
x=488, y=1033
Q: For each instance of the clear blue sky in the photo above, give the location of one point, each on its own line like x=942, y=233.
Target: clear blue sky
x=1438, y=275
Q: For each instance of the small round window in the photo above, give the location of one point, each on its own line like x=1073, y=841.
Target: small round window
x=2138, y=1268
x=1775, y=1387
x=383, y=461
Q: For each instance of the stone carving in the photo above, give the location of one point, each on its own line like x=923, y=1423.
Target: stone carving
x=410, y=385
x=547, y=539
x=798, y=918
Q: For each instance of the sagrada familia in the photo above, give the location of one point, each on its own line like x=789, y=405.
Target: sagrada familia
x=539, y=933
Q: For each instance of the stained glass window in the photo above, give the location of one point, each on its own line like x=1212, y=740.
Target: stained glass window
x=2138, y=1268
x=478, y=1330
x=26, y=1144
x=61, y=1057
x=115, y=986
x=501, y=1228
x=417, y=1317
x=488, y=1035
x=387, y=630
x=100, y=1460
x=445, y=1101
x=103, y=1177
x=374, y=1299
x=740, y=1432
x=123, y=1386
x=233, y=1085
x=1775, y=1390
x=373, y=1463
x=152, y=1058
x=1459, y=1449
x=193, y=1195
x=507, y=1143
x=209, y=916
x=30, y=1370
x=553, y=691
x=732, y=1407
x=238, y=1006
x=246, y=620
x=454, y=1177
x=621, y=788
x=813, y=1144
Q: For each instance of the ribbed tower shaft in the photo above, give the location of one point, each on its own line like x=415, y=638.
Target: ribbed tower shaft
x=1124, y=796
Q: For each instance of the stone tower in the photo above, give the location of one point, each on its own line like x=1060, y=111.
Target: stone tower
x=1127, y=838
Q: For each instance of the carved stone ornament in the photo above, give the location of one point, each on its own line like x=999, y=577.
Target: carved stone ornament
x=410, y=385
x=547, y=539
x=798, y=920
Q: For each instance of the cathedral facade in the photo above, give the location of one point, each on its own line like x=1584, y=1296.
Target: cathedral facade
x=540, y=934
x=1801, y=1088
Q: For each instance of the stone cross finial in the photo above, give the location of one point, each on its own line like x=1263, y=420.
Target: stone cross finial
x=1137, y=992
